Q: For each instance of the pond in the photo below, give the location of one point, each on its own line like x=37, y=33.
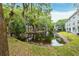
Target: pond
x=54, y=42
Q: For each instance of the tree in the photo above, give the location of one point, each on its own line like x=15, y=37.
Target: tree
x=36, y=17
x=3, y=35
x=61, y=24
x=17, y=26
x=39, y=17
x=9, y=13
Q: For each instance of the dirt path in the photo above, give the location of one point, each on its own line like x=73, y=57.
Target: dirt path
x=63, y=38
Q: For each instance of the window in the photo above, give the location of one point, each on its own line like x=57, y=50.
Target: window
x=78, y=28
x=70, y=29
x=67, y=29
x=73, y=23
x=78, y=21
x=74, y=29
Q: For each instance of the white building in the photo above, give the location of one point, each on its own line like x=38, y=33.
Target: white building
x=72, y=24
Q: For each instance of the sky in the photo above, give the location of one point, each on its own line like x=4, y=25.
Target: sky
x=62, y=11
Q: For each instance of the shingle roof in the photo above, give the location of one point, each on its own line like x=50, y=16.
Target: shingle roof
x=73, y=15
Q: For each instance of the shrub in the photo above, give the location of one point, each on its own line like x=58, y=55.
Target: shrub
x=17, y=26
x=49, y=37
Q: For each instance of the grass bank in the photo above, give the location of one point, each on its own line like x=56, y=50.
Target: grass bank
x=17, y=47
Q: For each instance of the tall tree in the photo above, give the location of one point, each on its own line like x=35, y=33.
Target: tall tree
x=60, y=24
x=3, y=35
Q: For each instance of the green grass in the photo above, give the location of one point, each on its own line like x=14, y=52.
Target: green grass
x=74, y=39
x=17, y=47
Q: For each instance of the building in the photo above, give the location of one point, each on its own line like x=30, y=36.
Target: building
x=72, y=24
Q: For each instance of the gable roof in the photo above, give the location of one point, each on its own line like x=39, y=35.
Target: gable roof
x=73, y=15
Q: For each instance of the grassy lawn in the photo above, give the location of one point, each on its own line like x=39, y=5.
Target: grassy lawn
x=17, y=47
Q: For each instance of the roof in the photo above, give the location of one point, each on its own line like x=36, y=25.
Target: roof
x=73, y=15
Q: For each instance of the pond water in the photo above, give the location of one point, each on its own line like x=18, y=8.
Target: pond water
x=56, y=43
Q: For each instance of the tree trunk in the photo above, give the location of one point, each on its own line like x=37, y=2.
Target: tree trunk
x=3, y=35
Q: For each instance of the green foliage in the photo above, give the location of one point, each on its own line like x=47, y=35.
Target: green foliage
x=6, y=11
x=70, y=36
x=49, y=38
x=61, y=24
x=41, y=19
x=37, y=15
x=17, y=26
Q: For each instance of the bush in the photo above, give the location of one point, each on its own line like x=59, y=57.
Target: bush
x=17, y=26
x=49, y=37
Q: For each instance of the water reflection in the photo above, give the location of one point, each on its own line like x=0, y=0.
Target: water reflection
x=56, y=43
